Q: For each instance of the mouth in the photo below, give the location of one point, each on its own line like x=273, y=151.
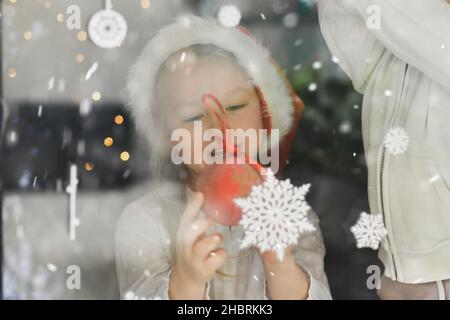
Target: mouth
x=219, y=151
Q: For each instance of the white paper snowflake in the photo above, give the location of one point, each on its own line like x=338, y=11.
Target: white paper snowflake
x=369, y=230
x=396, y=141
x=274, y=215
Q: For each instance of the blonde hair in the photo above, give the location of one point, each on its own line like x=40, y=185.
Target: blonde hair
x=159, y=154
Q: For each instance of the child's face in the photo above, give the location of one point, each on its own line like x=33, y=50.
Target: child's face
x=183, y=88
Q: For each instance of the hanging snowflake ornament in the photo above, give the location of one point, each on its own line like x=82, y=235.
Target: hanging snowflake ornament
x=274, y=215
x=369, y=230
x=107, y=28
x=396, y=141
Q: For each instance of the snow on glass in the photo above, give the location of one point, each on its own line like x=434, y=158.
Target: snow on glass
x=229, y=16
x=396, y=141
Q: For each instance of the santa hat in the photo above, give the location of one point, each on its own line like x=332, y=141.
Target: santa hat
x=276, y=94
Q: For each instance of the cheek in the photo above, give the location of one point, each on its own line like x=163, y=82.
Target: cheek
x=185, y=140
x=189, y=148
x=250, y=117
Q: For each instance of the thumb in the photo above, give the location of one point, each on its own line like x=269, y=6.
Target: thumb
x=193, y=207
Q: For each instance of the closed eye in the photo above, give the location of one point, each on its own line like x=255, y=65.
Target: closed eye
x=194, y=118
x=235, y=107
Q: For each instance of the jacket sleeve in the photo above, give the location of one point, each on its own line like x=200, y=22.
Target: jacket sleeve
x=417, y=32
x=142, y=255
x=309, y=255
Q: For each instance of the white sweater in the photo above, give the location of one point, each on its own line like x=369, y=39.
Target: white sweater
x=145, y=255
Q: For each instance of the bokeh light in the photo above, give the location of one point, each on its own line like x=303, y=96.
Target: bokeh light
x=124, y=156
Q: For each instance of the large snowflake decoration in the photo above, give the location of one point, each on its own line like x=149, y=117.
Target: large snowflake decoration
x=396, y=141
x=369, y=230
x=274, y=215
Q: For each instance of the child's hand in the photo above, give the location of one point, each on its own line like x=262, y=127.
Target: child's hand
x=198, y=255
x=270, y=257
x=286, y=280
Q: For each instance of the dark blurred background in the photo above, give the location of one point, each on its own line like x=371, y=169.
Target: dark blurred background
x=65, y=99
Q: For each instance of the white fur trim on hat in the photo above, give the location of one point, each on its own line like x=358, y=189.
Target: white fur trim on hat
x=192, y=30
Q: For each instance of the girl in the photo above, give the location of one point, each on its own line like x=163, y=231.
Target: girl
x=166, y=248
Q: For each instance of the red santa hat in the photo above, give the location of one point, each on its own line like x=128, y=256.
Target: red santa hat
x=281, y=106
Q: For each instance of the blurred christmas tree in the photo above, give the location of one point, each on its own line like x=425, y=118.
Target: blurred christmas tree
x=329, y=136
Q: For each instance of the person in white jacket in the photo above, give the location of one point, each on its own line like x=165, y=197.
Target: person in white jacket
x=165, y=247
x=397, y=53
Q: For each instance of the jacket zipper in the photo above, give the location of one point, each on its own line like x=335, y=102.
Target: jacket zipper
x=382, y=165
x=383, y=157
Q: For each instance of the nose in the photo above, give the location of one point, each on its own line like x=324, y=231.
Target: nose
x=216, y=118
x=215, y=113
x=213, y=119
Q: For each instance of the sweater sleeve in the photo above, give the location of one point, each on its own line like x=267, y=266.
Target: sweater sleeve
x=417, y=32
x=309, y=255
x=142, y=255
